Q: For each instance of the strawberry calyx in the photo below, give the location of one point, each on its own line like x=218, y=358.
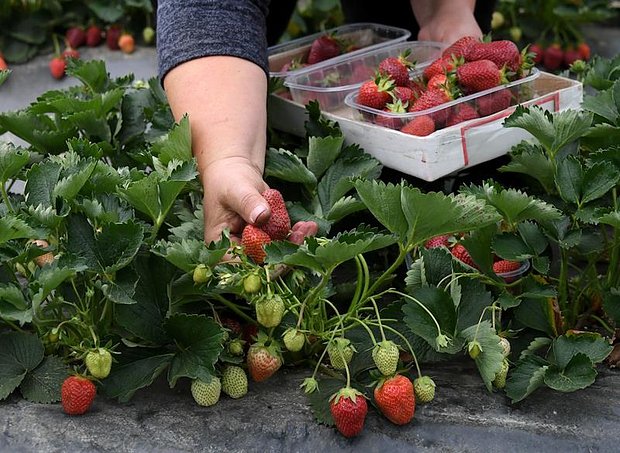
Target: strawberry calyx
x=346, y=392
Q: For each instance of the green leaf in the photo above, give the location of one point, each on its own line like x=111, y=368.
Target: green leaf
x=553, y=130
x=595, y=347
x=509, y=246
x=491, y=356
x=578, y=374
x=603, y=105
x=527, y=376
x=13, y=305
x=126, y=379
x=4, y=75
x=122, y=289
x=107, y=251
x=322, y=152
x=108, y=12
x=286, y=166
x=478, y=244
x=40, y=182
x=507, y=300
x=200, y=342
x=12, y=227
x=48, y=279
x=176, y=145
x=436, y=264
x=188, y=253
x=612, y=219
x=95, y=128
x=343, y=207
x=12, y=161
x=537, y=313
x=533, y=237
x=474, y=299
x=317, y=125
x=611, y=305
x=432, y=300
x=535, y=345
x=145, y=318
x=293, y=255
x=514, y=205
x=319, y=400
x=384, y=202
x=530, y=159
x=19, y=354
x=92, y=73
x=72, y=182
x=42, y=385
x=598, y=180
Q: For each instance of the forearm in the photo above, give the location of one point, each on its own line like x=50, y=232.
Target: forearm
x=225, y=98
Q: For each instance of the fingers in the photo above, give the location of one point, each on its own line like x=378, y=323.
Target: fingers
x=301, y=230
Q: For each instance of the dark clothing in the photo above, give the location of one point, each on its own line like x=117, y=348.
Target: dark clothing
x=188, y=29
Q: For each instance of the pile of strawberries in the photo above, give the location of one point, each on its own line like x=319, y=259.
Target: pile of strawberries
x=466, y=67
x=93, y=36
x=504, y=268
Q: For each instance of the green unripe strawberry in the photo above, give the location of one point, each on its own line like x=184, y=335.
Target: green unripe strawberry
x=53, y=335
x=99, y=362
x=269, y=310
x=424, y=388
x=234, y=382
x=252, y=284
x=500, y=378
x=148, y=34
x=202, y=274
x=474, y=349
x=505, y=346
x=340, y=353
x=235, y=347
x=385, y=355
x=294, y=340
x=206, y=393
x=515, y=33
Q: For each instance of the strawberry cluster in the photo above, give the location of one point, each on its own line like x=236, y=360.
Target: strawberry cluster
x=507, y=269
x=555, y=57
x=466, y=67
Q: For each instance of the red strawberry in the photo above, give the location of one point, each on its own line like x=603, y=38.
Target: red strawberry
x=75, y=37
x=70, y=52
x=253, y=239
x=392, y=122
x=361, y=72
x=584, y=51
x=460, y=113
x=421, y=126
x=571, y=55
x=292, y=65
x=460, y=48
x=348, y=408
x=323, y=48
x=502, y=53
x=233, y=325
x=494, y=102
x=375, y=93
x=430, y=99
x=77, y=394
x=94, y=35
x=461, y=254
x=397, y=68
x=537, y=53
x=279, y=223
x=437, y=241
x=57, y=67
x=112, y=36
x=250, y=331
x=439, y=66
x=395, y=399
x=263, y=361
x=417, y=86
x=437, y=82
x=553, y=58
x=504, y=266
x=3, y=65
x=478, y=76
x=404, y=94
x=126, y=43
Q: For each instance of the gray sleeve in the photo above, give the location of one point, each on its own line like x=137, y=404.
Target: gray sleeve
x=189, y=29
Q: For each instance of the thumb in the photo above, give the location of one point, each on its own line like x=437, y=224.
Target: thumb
x=250, y=205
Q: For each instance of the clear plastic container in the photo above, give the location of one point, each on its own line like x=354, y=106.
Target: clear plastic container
x=364, y=36
x=485, y=103
x=330, y=84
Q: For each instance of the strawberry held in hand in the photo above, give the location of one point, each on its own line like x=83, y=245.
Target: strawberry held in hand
x=77, y=394
x=348, y=408
x=279, y=224
x=396, y=399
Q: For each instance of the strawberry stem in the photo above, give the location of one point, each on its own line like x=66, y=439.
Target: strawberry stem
x=233, y=308
x=370, y=334
x=374, y=304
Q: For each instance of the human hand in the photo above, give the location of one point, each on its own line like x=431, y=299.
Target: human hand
x=232, y=188
x=448, y=25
